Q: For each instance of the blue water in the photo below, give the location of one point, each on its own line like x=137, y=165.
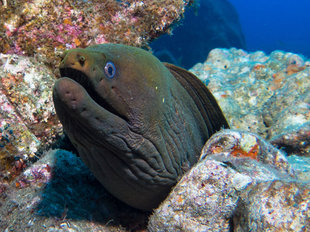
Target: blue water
x=265, y=25
x=275, y=24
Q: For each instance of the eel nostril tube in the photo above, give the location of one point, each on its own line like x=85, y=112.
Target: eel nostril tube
x=81, y=60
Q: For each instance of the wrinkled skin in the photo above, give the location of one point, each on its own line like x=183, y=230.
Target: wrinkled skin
x=139, y=130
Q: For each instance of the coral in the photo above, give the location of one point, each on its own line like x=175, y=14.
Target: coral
x=48, y=26
x=37, y=174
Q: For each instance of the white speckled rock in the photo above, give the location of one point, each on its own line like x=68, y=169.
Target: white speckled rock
x=204, y=200
x=27, y=116
x=274, y=206
x=248, y=152
x=231, y=166
x=267, y=95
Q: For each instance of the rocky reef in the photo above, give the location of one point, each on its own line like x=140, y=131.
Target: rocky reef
x=48, y=27
x=253, y=177
x=267, y=95
x=36, y=32
x=241, y=183
x=59, y=193
x=28, y=120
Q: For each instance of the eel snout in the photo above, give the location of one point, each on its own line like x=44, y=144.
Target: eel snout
x=69, y=93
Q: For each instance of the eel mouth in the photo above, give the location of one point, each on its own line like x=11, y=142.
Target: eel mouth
x=85, y=82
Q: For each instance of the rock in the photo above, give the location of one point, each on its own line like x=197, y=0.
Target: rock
x=267, y=95
x=296, y=140
x=207, y=25
x=220, y=193
x=47, y=27
x=301, y=165
x=274, y=206
x=203, y=200
x=28, y=119
x=236, y=147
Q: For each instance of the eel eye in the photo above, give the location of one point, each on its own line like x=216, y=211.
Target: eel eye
x=109, y=69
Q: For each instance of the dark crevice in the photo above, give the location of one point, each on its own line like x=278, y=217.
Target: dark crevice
x=83, y=80
x=231, y=224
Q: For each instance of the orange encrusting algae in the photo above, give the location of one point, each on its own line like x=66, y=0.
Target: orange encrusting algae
x=237, y=151
x=294, y=68
x=258, y=67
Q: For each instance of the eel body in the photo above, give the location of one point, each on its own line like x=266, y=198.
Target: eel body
x=137, y=123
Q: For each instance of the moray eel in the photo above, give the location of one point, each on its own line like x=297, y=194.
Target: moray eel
x=137, y=123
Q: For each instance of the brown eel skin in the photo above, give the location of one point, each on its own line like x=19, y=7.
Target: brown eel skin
x=137, y=123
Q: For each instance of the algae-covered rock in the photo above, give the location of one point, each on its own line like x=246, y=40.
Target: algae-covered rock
x=47, y=27
x=247, y=152
x=203, y=200
x=227, y=189
x=27, y=117
x=267, y=95
x=274, y=206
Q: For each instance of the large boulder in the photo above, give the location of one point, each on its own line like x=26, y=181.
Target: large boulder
x=241, y=183
x=267, y=95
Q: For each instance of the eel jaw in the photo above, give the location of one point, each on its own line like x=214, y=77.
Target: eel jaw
x=69, y=95
x=82, y=118
x=83, y=80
